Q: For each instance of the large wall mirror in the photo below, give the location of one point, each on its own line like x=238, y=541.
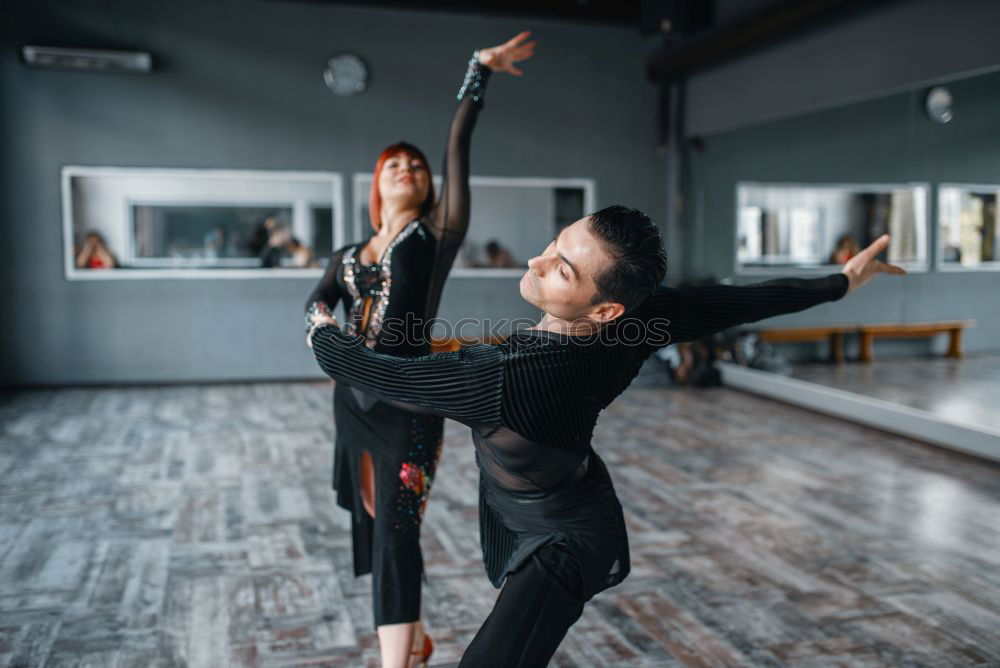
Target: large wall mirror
x=177, y=223
x=968, y=234
x=781, y=226
x=513, y=219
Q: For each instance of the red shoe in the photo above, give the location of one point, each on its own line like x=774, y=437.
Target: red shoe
x=425, y=653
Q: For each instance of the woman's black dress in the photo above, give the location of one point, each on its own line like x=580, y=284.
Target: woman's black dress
x=389, y=305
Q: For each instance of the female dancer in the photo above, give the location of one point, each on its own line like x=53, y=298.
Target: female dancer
x=385, y=458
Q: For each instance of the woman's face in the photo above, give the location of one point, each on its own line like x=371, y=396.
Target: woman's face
x=404, y=180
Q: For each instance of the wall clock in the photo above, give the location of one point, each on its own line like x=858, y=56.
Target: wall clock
x=346, y=74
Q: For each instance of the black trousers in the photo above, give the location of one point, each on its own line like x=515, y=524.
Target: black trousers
x=535, y=608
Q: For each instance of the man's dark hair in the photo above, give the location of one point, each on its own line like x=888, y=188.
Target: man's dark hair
x=639, y=261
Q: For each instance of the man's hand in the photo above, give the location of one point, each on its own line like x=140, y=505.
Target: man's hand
x=319, y=320
x=862, y=267
x=502, y=58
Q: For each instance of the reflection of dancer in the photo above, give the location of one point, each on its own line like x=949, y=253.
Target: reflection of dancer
x=551, y=525
x=845, y=249
x=385, y=458
x=303, y=256
x=498, y=256
x=281, y=244
x=279, y=233
x=218, y=243
x=95, y=254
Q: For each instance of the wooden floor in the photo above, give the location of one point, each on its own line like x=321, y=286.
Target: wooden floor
x=964, y=390
x=195, y=526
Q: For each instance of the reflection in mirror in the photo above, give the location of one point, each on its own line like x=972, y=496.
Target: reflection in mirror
x=218, y=236
x=512, y=219
x=969, y=234
x=781, y=226
x=158, y=220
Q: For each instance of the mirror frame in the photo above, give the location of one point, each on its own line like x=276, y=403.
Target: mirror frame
x=362, y=186
x=958, y=267
x=72, y=273
x=919, y=266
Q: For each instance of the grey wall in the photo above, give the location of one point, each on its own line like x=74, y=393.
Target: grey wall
x=239, y=86
x=884, y=140
x=888, y=46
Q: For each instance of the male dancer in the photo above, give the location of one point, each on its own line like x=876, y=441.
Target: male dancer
x=550, y=522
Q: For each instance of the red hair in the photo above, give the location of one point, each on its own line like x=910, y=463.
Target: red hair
x=375, y=198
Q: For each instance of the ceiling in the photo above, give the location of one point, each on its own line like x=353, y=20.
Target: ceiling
x=697, y=33
x=621, y=12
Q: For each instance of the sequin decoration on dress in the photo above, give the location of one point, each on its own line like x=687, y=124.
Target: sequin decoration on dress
x=374, y=281
x=415, y=487
x=356, y=300
x=476, y=75
x=414, y=477
x=382, y=296
x=416, y=474
x=316, y=308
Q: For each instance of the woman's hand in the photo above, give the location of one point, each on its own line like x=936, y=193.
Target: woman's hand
x=319, y=320
x=502, y=58
x=863, y=267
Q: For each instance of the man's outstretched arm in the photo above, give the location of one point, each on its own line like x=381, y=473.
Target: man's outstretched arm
x=464, y=385
x=696, y=312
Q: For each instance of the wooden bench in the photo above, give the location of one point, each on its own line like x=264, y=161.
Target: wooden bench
x=868, y=334
x=833, y=333
x=913, y=330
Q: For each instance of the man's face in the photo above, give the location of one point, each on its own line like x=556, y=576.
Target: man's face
x=560, y=281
